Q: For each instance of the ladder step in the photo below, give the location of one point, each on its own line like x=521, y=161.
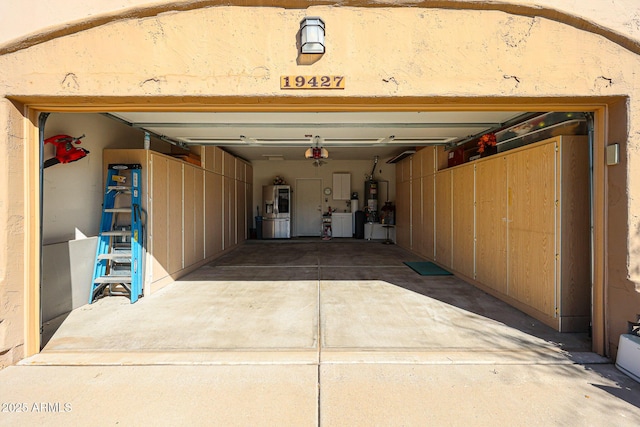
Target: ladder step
x=113, y=279
x=116, y=233
x=124, y=166
x=119, y=188
x=121, y=247
x=118, y=210
x=117, y=256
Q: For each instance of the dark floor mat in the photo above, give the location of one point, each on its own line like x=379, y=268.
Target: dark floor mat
x=428, y=269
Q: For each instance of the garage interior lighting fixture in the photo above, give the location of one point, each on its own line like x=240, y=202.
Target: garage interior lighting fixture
x=312, y=35
x=317, y=152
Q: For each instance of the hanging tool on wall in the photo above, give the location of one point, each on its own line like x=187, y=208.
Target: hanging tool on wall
x=66, y=152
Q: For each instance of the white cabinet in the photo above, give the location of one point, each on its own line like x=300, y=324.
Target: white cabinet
x=341, y=224
x=341, y=186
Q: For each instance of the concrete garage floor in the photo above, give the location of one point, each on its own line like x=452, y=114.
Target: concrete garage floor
x=303, y=332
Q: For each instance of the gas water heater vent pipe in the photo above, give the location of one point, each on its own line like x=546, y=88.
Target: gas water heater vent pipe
x=373, y=170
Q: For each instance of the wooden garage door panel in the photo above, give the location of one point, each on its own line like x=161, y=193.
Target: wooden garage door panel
x=229, y=224
x=198, y=192
x=416, y=214
x=213, y=214
x=159, y=218
x=443, y=218
x=428, y=215
x=531, y=241
x=463, y=213
x=403, y=214
x=491, y=223
x=175, y=226
x=228, y=165
x=428, y=161
x=241, y=225
x=208, y=157
x=189, y=216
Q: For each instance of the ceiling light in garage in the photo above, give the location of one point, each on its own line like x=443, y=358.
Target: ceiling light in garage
x=316, y=152
x=312, y=35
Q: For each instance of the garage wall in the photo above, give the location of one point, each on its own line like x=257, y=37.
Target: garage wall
x=264, y=171
x=67, y=271
x=73, y=192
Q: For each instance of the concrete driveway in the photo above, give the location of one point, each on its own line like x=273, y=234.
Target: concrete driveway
x=314, y=333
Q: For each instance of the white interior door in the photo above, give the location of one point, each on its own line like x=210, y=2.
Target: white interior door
x=308, y=215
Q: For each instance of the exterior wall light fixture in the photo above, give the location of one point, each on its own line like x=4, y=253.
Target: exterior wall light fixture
x=312, y=35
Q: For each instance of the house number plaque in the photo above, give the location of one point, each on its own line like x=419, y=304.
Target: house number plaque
x=312, y=82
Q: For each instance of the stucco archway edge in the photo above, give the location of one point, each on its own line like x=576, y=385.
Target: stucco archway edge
x=30, y=25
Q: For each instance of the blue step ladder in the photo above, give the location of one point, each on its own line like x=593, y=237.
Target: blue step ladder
x=119, y=265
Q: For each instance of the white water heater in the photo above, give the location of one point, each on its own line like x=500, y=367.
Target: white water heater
x=628, y=359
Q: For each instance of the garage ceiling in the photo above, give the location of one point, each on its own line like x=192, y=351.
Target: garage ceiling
x=346, y=135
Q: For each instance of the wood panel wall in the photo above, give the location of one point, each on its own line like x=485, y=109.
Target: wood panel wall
x=175, y=218
x=491, y=223
x=444, y=218
x=426, y=242
x=193, y=214
x=241, y=214
x=463, y=237
x=531, y=205
x=403, y=206
x=214, y=214
x=428, y=217
x=515, y=224
x=199, y=214
x=416, y=216
x=189, y=215
x=158, y=224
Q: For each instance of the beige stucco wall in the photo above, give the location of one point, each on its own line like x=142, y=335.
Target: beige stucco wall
x=12, y=220
x=413, y=56
x=31, y=18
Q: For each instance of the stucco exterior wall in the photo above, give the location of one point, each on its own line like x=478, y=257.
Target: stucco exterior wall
x=12, y=216
x=30, y=19
x=235, y=51
x=402, y=56
x=620, y=229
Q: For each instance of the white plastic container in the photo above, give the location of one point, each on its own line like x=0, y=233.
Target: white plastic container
x=628, y=359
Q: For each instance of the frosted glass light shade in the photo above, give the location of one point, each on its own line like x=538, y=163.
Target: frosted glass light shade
x=312, y=35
